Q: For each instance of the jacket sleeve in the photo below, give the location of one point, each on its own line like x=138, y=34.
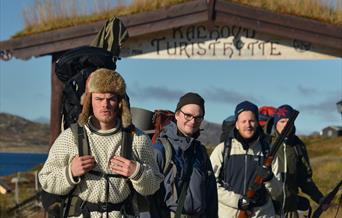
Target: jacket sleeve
x=305, y=181
x=225, y=197
x=147, y=180
x=55, y=177
x=212, y=199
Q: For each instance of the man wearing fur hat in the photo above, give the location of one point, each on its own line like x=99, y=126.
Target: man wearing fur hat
x=236, y=161
x=189, y=187
x=104, y=115
x=293, y=170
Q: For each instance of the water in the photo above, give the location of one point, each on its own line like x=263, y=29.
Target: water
x=19, y=162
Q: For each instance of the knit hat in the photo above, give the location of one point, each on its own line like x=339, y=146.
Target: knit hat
x=283, y=111
x=246, y=106
x=104, y=80
x=191, y=98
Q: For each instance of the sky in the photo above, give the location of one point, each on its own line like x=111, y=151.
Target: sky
x=312, y=87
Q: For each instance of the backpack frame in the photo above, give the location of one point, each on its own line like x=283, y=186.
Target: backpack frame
x=73, y=69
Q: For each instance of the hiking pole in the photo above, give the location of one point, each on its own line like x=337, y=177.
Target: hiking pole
x=327, y=200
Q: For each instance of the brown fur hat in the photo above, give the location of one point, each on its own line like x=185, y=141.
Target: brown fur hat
x=105, y=80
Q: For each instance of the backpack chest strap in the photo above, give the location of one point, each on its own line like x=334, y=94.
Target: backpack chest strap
x=106, y=176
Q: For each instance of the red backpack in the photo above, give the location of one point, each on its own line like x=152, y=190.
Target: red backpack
x=150, y=122
x=266, y=118
x=160, y=119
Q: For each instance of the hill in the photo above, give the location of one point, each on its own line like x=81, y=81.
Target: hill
x=210, y=134
x=19, y=134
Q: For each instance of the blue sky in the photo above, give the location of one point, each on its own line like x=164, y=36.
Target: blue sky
x=312, y=87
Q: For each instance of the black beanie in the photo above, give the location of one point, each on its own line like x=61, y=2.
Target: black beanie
x=246, y=106
x=191, y=98
x=283, y=111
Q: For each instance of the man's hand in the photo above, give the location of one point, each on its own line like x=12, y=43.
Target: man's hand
x=81, y=165
x=122, y=166
x=246, y=204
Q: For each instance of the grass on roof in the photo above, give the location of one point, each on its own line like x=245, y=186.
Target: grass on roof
x=312, y=9
x=47, y=15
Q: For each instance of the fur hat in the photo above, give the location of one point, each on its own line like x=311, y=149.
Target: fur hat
x=105, y=80
x=246, y=106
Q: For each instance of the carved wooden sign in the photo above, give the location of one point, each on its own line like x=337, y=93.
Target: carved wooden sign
x=221, y=42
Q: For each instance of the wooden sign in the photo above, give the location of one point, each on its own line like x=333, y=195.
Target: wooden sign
x=222, y=42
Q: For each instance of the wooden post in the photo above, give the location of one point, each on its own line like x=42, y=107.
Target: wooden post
x=56, y=102
x=16, y=194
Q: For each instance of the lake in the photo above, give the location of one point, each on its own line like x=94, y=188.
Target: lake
x=19, y=162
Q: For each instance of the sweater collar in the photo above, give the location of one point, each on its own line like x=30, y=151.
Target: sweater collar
x=108, y=132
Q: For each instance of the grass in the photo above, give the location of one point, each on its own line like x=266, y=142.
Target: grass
x=313, y=9
x=320, y=146
x=47, y=15
x=26, y=190
x=326, y=162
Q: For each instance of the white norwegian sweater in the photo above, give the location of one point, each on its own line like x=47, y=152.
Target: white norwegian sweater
x=55, y=176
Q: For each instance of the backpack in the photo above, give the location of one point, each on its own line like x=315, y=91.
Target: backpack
x=65, y=205
x=266, y=118
x=73, y=69
x=160, y=119
x=227, y=126
x=74, y=66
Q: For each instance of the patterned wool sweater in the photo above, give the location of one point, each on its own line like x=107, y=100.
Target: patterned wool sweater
x=55, y=176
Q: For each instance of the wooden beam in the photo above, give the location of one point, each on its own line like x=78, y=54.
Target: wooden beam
x=56, y=102
x=278, y=24
x=137, y=25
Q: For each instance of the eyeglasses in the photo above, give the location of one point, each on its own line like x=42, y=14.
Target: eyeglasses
x=189, y=117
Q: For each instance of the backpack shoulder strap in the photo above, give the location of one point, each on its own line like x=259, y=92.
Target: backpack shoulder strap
x=227, y=147
x=167, y=154
x=127, y=140
x=185, y=186
x=79, y=132
x=137, y=201
x=265, y=145
x=226, y=154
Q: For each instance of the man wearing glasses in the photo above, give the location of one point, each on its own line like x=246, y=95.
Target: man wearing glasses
x=189, y=188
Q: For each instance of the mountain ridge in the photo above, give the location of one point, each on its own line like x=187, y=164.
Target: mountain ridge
x=18, y=134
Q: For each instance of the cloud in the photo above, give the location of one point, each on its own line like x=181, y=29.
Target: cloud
x=218, y=95
x=155, y=92
x=221, y=95
x=306, y=91
x=327, y=109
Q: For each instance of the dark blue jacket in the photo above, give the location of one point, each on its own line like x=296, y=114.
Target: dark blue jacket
x=201, y=197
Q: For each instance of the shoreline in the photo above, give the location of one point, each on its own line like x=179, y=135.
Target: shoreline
x=41, y=149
